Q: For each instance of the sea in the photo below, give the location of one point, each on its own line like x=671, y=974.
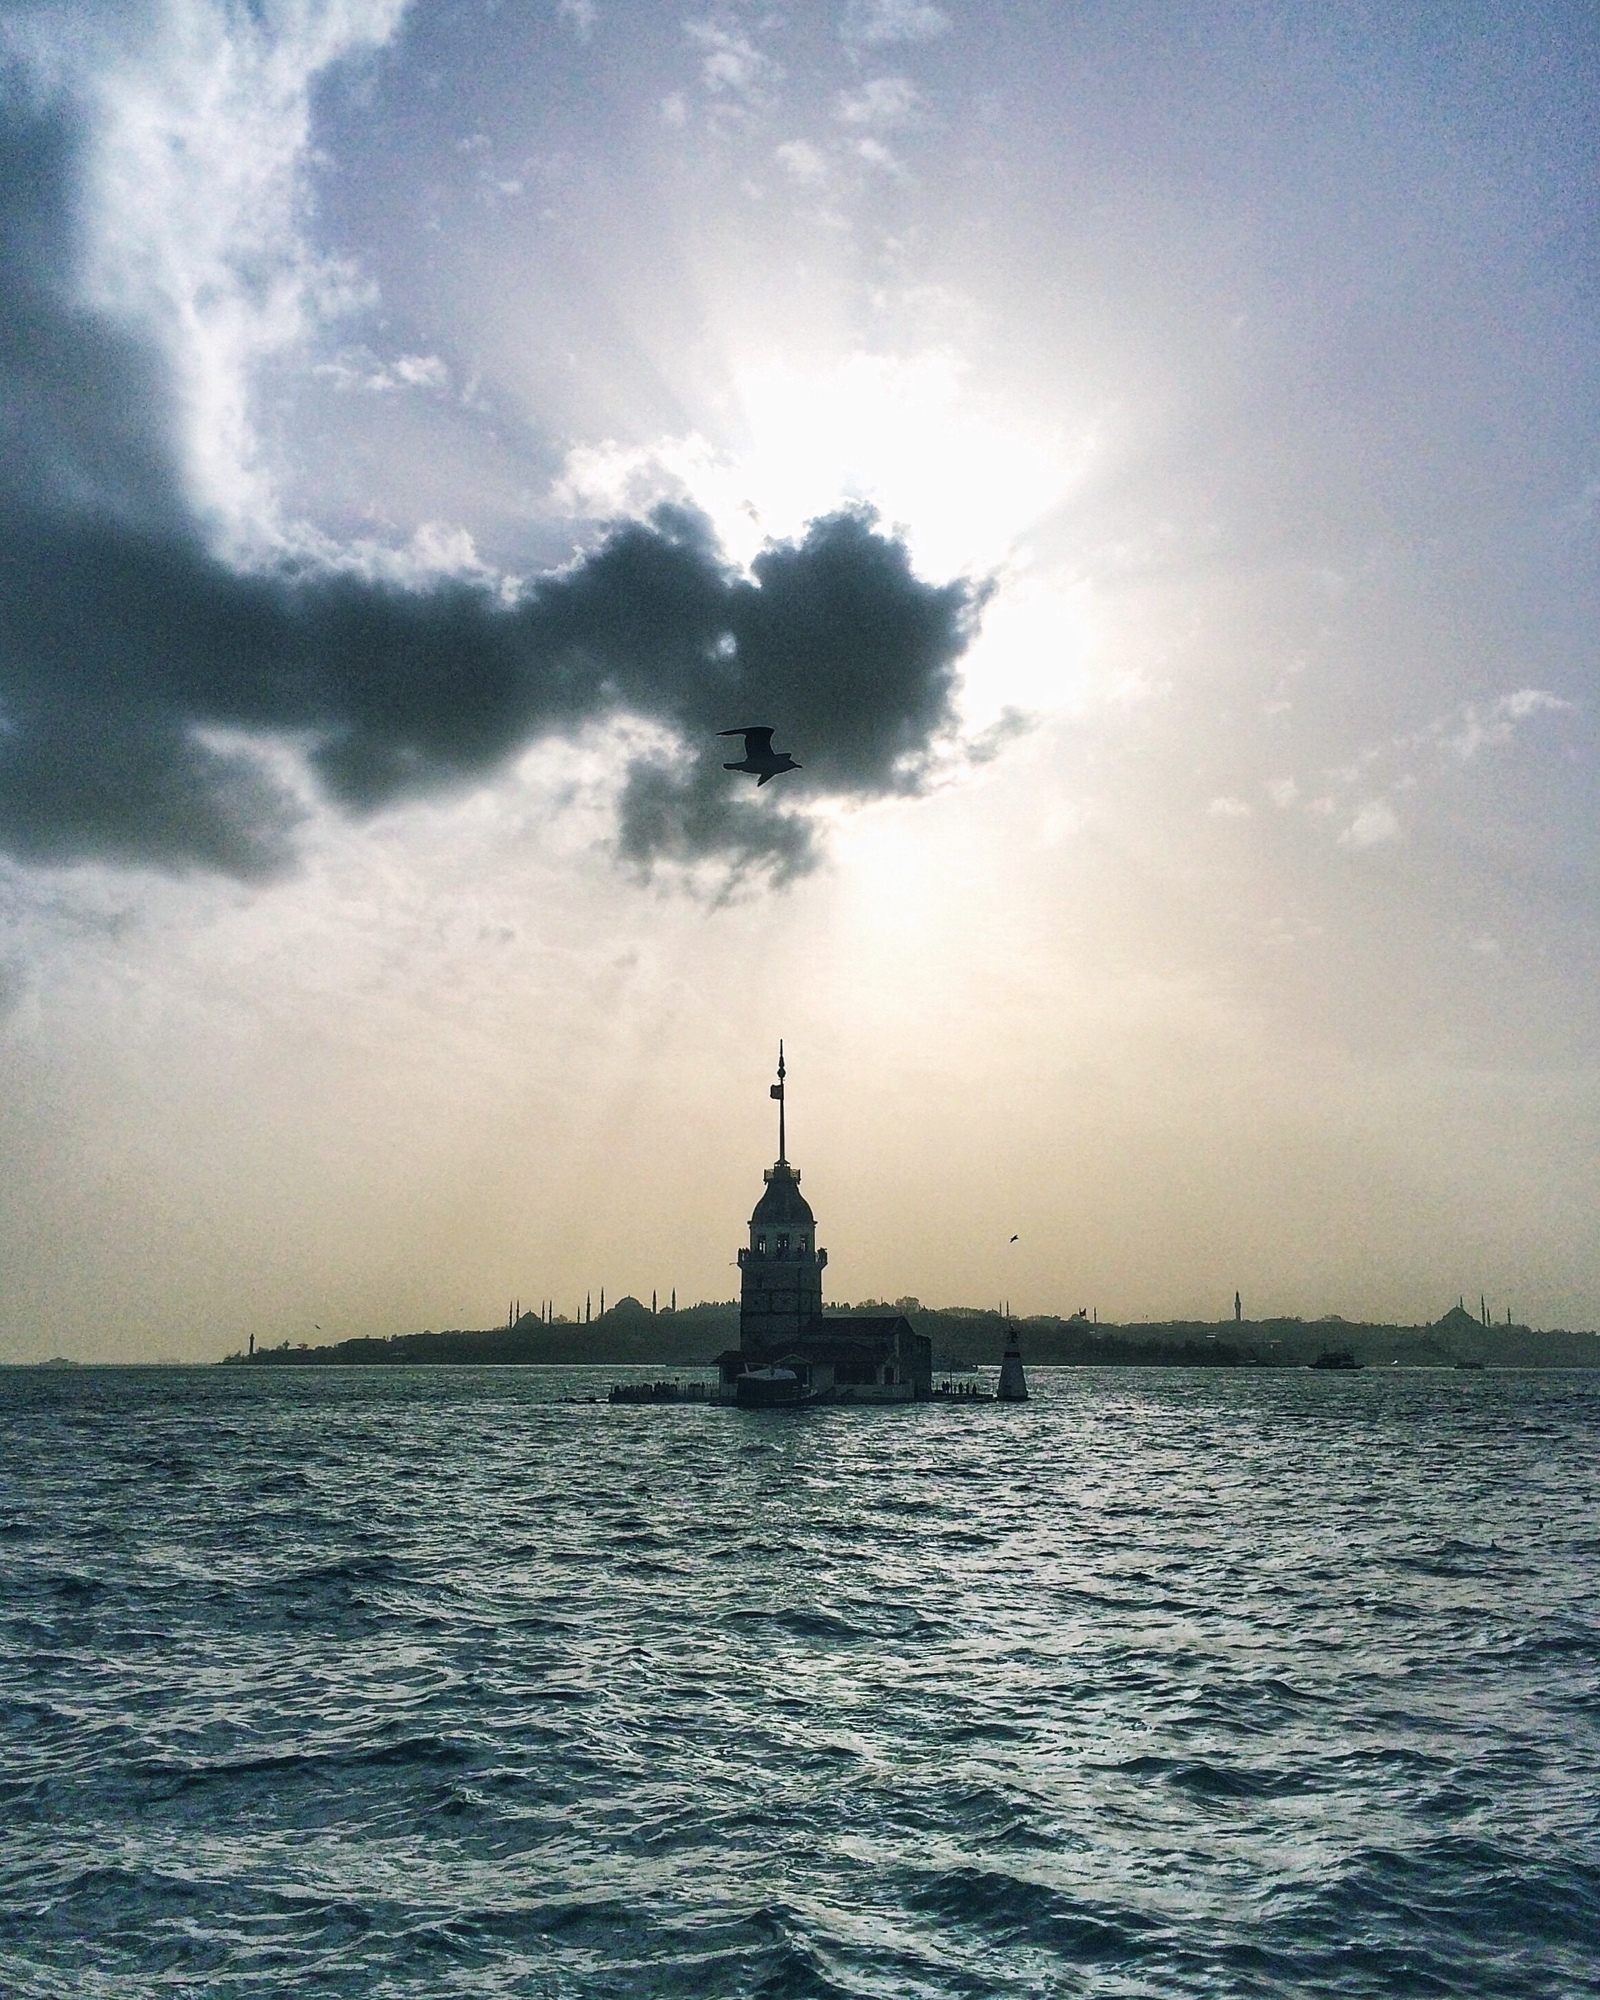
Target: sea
x=437, y=1682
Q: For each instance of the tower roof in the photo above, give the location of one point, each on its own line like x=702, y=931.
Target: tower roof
x=782, y=1205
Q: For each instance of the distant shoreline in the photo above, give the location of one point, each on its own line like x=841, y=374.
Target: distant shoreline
x=630, y=1335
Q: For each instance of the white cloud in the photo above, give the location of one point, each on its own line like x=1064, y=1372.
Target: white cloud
x=1228, y=808
x=1462, y=735
x=580, y=16
x=802, y=162
x=1372, y=825
x=440, y=548
x=1282, y=791
x=1478, y=728
x=422, y=371
x=886, y=104
x=357, y=368
x=875, y=22
x=732, y=66
x=198, y=119
x=874, y=153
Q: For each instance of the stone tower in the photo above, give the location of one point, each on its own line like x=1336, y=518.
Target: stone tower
x=780, y=1290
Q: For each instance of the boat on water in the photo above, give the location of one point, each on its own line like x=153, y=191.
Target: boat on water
x=955, y=1389
x=1338, y=1359
x=768, y=1388
x=655, y=1392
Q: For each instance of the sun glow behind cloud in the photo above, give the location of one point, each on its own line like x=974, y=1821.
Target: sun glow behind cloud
x=914, y=437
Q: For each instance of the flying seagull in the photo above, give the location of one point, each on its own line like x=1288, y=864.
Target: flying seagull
x=760, y=759
x=1013, y=1239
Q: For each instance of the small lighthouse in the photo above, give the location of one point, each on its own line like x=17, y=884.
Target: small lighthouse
x=1013, y=1384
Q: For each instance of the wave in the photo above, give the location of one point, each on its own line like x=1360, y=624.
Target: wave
x=391, y=1715
x=1016, y=1910
x=1205, y=1779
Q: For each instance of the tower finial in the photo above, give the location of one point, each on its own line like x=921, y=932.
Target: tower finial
x=777, y=1092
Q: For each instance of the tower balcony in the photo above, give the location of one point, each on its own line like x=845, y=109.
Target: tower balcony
x=769, y=1173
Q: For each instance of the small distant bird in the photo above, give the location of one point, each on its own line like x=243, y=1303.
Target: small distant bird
x=1013, y=1239
x=760, y=759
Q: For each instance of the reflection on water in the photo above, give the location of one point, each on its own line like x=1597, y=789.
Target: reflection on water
x=429, y=1683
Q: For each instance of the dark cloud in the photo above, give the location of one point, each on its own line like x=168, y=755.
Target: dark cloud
x=125, y=644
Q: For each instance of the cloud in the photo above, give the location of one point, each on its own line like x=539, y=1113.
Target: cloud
x=121, y=651
x=167, y=699
x=1374, y=824
x=886, y=104
x=153, y=679
x=357, y=368
x=1479, y=728
x=874, y=153
x=1228, y=808
x=802, y=162
x=126, y=643
x=191, y=122
x=876, y=22
x=1457, y=737
x=732, y=68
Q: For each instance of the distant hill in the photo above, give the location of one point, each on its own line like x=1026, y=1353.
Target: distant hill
x=973, y=1338
x=630, y=1335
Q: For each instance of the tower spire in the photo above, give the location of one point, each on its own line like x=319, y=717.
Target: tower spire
x=777, y=1092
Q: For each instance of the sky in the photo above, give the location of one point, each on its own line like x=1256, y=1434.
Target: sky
x=1142, y=459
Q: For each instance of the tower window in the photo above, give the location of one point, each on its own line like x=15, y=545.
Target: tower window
x=783, y=1242
x=761, y=1246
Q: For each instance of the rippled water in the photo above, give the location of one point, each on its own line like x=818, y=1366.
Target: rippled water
x=424, y=1683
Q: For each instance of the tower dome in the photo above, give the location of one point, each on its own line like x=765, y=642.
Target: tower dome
x=782, y=1205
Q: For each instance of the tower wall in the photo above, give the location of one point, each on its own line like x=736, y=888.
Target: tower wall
x=780, y=1296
